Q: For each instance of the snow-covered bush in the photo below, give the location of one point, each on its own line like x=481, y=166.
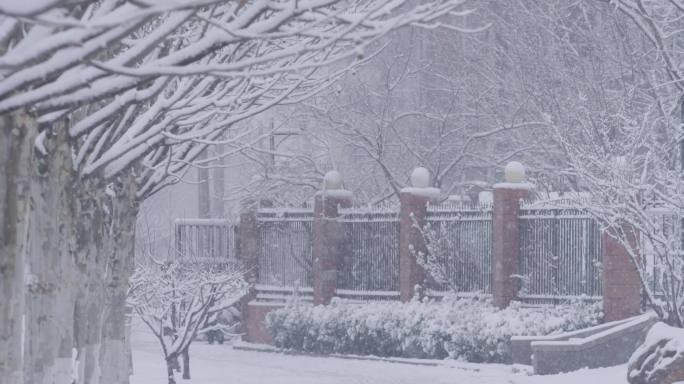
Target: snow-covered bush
x=471, y=330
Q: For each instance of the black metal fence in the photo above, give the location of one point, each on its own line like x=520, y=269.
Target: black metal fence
x=560, y=254
x=560, y=250
x=284, y=247
x=370, y=256
x=459, y=238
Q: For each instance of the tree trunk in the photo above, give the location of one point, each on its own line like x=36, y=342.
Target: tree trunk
x=17, y=134
x=170, y=364
x=52, y=283
x=186, y=363
x=114, y=360
x=67, y=319
x=105, y=258
x=80, y=257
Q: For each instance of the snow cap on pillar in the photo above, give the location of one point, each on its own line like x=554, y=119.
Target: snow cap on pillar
x=420, y=184
x=332, y=181
x=420, y=178
x=514, y=172
x=332, y=186
x=514, y=177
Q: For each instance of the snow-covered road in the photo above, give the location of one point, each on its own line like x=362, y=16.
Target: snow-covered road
x=221, y=364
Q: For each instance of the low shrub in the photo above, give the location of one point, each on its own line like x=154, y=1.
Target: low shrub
x=465, y=329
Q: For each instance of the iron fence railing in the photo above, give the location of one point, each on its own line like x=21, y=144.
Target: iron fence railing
x=460, y=238
x=559, y=248
x=205, y=239
x=370, y=251
x=284, y=247
x=560, y=254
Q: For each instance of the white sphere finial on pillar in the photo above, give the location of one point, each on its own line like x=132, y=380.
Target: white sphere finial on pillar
x=514, y=172
x=332, y=181
x=420, y=178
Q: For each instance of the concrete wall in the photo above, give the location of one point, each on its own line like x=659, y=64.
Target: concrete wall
x=601, y=346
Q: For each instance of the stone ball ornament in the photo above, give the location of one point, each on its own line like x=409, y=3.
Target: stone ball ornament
x=514, y=172
x=332, y=180
x=420, y=178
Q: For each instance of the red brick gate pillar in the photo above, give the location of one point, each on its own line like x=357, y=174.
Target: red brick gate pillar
x=327, y=236
x=253, y=314
x=505, y=249
x=621, y=283
x=414, y=202
x=247, y=236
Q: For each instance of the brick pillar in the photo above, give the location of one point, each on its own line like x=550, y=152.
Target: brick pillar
x=247, y=235
x=413, y=209
x=621, y=283
x=505, y=247
x=326, y=238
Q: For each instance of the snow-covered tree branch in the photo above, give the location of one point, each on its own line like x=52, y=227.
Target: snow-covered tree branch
x=175, y=299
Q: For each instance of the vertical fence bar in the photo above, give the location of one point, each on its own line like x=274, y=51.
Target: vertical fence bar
x=560, y=250
x=463, y=236
x=284, y=249
x=204, y=240
x=370, y=263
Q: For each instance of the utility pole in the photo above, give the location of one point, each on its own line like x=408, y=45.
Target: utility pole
x=681, y=134
x=219, y=173
x=203, y=191
x=273, y=145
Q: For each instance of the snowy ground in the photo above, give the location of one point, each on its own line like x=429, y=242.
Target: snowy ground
x=221, y=364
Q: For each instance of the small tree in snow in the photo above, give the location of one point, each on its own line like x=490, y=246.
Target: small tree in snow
x=176, y=298
x=441, y=256
x=437, y=255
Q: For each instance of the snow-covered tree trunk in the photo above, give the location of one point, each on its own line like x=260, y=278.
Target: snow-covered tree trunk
x=90, y=255
x=51, y=281
x=114, y=346
x=17, y=134
x=80, y=258
x=104, y=220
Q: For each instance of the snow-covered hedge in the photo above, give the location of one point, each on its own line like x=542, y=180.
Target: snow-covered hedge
x=471, y=330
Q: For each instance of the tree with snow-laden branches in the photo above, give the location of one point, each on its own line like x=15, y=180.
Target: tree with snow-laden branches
x=175, y=300
x=627, y=155
x=105, y=102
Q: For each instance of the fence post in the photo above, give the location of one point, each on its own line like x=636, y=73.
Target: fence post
x=248, y=241
x=247, y=235
x=413, y=208
x=505, y=247
x=253, y=313
x=621, y=283
x=327, y=235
